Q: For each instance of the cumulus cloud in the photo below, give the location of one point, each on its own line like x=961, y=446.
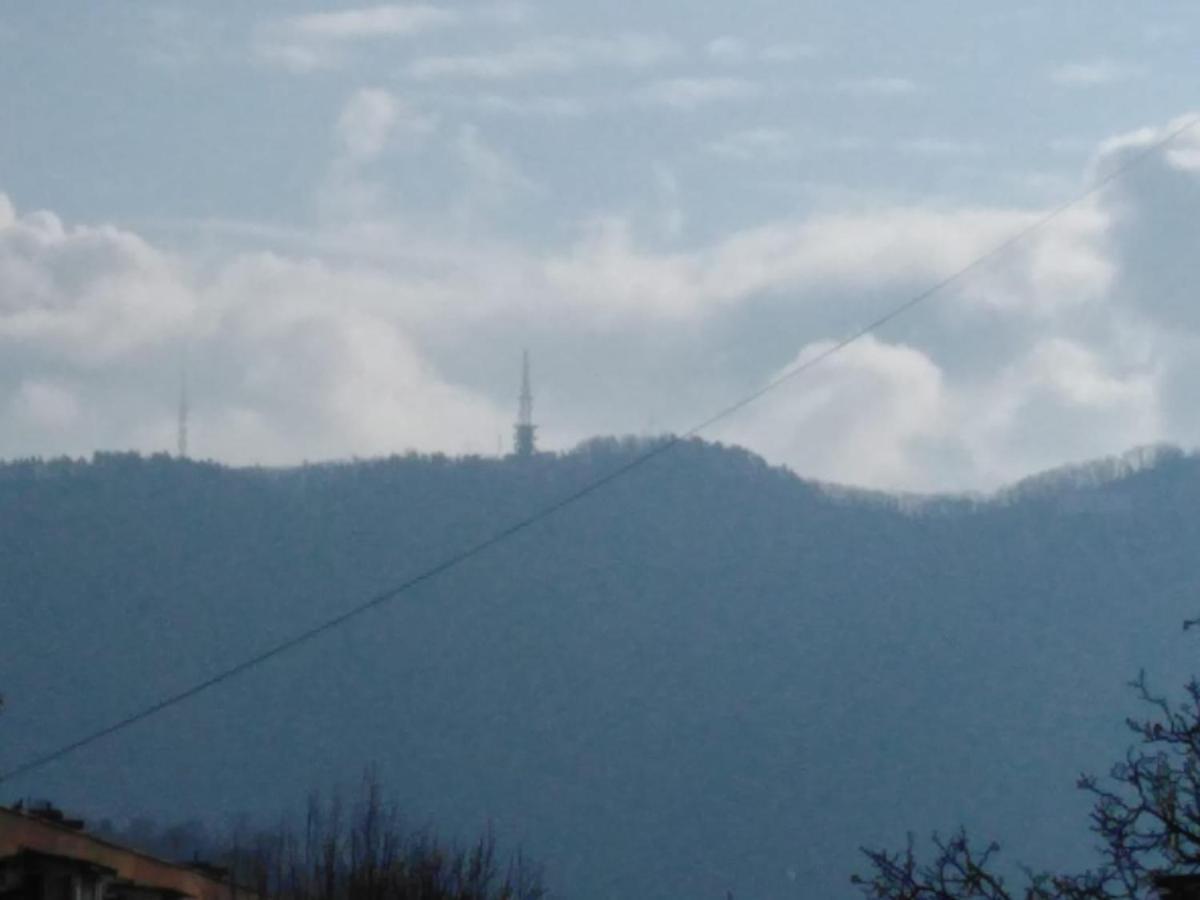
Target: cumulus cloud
x=321, y=360
x=305, y=358
x=94, y=294
x=1080, y=340
x=861, y=417
x=289, y=360
x=1066, y=395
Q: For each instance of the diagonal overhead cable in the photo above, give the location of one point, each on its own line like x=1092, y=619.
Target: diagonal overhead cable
x=499, y=537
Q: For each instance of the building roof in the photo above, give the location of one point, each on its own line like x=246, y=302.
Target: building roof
x=24, y=832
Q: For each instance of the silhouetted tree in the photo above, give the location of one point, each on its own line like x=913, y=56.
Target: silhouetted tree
x=367, y=854
x=1146, y=814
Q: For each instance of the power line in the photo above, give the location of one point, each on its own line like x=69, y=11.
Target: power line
x=570, y=499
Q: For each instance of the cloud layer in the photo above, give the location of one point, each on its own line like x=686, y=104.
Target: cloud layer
x=382, y=330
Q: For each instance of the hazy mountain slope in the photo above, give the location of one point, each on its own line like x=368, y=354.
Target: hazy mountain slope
x=709, y=676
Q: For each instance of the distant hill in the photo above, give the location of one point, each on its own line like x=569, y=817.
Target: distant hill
x=712, y=675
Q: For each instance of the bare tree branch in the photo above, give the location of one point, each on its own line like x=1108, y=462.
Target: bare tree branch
x=1146, y=814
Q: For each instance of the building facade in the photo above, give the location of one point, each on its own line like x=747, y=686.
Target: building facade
x=45, y=856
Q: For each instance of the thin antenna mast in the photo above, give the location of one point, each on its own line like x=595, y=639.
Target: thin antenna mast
x=182, y=436
x=525, y=431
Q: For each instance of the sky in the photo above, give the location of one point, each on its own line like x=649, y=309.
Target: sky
x=342, y=224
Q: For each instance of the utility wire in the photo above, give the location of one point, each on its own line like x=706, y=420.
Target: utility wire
x=499, y=537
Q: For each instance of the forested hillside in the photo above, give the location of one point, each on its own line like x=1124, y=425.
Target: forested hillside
x=711, y=675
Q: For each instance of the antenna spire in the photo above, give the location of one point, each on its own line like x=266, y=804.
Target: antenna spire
x=182, y=436
x=524, y=431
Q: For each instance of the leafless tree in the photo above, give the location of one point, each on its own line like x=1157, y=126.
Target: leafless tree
x=367, y=854
x=1146, y=814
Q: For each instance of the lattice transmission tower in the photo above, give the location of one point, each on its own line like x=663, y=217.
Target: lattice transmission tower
x=525, y=432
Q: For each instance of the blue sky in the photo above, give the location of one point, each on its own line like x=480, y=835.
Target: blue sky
x=346, y=222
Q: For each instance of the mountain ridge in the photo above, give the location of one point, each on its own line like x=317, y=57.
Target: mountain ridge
x=1095, y=472
x=651, y=689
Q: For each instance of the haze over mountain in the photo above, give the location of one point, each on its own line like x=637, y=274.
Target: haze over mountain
x=712, y=675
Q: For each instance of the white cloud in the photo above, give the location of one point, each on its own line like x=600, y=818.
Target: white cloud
x=371, y=117
x=550, y=107
x=295, y=57
x=1080, y=340
x=394, y=20
x=300, y=357
x=495, y=176
x=861, y=417
x=289, y=358
x=946, y=147
x=691, y=93
x=730, y=50
x=671, y=217
x=555, y=53
x=46, y=405
x=365, y=123
x=314, y=41
x=372, y=122
x=754, y=144
x=1063, y=395
x=1160, y=33
x=1180, y=159
x=1095, y=73
x=506, y=12
x=92, y=293
x=607, y=279
x=881, y=86
x=895, y=251
x=787, y=53
x=319, y=359
x=1152, y=208
x=771, y=144
x=727, y=49
x=526, y=60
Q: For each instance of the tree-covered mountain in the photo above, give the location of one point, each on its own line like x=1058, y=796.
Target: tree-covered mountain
x=711, y=675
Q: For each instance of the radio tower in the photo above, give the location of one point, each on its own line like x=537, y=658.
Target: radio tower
x=183, y=415
x=523, y=432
